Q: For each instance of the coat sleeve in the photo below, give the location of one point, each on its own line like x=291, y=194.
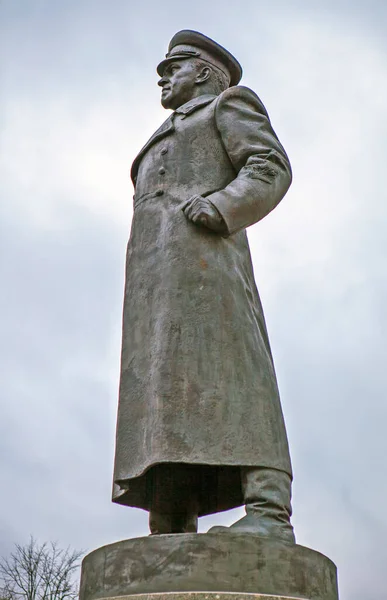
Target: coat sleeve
x=263, y=172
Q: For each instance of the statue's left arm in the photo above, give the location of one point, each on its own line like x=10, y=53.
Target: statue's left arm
x=263, y=172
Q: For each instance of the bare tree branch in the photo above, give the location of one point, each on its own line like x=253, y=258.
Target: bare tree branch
x=39, y=572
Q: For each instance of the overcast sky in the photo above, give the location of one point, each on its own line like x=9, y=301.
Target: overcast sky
x=78, y=98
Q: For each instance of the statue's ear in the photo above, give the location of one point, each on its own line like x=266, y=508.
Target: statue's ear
x=203, y=75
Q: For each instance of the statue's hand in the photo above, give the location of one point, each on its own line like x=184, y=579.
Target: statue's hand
x=201, y=211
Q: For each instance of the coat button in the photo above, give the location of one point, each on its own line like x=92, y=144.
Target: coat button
x=159, y=192
x=164, y=150
x=161, y=171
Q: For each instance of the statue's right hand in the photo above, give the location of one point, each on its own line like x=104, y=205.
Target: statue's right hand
x=202, y=212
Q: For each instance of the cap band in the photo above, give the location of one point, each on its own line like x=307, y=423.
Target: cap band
x=187, y=52
x=191, y=51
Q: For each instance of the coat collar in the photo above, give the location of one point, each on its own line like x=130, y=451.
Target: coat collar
x=168, y=127
x=191, y=105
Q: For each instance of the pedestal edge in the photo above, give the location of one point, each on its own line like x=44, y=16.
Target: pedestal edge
x=232, y=567
x=202, y=596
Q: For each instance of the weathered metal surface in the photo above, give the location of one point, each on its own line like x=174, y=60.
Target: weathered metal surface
x=197, y=378
x=209, y=563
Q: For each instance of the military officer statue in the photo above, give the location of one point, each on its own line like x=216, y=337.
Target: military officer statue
x=200, y=427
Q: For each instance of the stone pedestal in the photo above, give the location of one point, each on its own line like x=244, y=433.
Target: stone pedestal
x=203, y=596
x=223, y=566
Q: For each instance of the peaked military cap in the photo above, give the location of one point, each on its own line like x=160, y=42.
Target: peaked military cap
x=192, y=44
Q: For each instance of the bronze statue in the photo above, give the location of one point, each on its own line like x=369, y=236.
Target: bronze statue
x=200, y=427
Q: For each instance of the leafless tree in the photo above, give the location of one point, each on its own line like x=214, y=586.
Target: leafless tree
x=6, y=594
x=39, y=572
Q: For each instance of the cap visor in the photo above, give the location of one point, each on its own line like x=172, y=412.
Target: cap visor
x=161, y=66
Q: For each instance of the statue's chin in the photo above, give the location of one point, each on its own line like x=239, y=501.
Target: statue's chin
x=172, y=101
x=169, y=103
x=165, y=102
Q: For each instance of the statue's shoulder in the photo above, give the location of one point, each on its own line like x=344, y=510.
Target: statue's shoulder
x=238, y=96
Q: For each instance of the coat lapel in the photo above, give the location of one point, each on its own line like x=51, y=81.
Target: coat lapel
x=168, y=127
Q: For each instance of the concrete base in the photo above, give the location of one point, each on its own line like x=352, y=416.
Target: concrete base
x=202, y=596
x=224, y=566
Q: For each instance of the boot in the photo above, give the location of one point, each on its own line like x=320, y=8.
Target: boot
x=162, y=523
x=267, y=495
x=173, y=499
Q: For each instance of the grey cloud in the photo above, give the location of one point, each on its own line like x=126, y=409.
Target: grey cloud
x=59, y=401
x=80, y=97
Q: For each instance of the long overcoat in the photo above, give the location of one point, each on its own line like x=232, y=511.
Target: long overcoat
x=198, y=384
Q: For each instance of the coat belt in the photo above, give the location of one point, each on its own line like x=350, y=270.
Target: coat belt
x=146, y=196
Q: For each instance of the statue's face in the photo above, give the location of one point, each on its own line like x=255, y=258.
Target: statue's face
x=178, y=83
